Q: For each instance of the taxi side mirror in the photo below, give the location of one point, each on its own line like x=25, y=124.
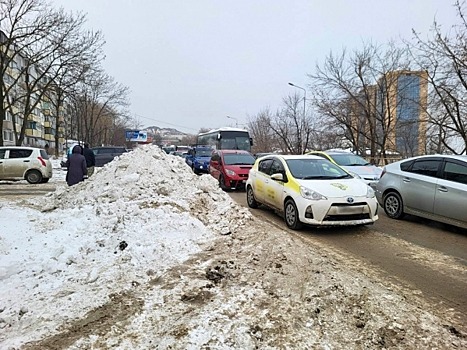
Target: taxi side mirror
x=278, y=177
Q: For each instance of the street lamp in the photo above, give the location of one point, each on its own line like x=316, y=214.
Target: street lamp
x=236, y=120
x=304, y=97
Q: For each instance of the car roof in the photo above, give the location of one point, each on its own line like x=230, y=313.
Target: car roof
x=334, y=151
x=226, y=151
x=451, y=156
x=22, y=147
x=292, y=156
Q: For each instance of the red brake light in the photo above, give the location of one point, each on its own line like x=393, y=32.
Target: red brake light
x=42, y=161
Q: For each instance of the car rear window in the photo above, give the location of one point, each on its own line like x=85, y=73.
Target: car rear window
x=20, y=153
x=44, y=154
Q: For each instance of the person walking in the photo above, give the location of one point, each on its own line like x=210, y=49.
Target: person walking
x=90, y=159
x=76, y=166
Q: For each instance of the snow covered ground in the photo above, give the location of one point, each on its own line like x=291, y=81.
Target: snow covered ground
x=146, y=255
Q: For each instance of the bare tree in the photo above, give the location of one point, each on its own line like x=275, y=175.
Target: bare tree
x=291, y=127
x=444, y=58
x=259, y=127
x=24, y=25
x=360, y=92
x=97, y=105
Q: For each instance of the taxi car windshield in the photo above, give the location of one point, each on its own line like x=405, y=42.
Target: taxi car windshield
x=315, y=169
x=349, y=159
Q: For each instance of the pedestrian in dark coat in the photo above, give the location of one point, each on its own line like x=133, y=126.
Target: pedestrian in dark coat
x=90, y=159
x=76, y=165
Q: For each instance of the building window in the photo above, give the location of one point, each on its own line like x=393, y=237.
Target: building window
x=8, y=135
x=32, y=125
x=8, y=116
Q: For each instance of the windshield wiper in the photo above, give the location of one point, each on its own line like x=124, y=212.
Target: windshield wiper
x=325, y=177
x=317, y=177
x=343, y=176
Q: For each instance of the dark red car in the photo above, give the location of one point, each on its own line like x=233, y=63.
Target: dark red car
x=231, y=168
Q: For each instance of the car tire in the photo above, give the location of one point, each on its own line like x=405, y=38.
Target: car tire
x=250, y=198
x=196, y=171
x=45, y=180
x=393, y=205
x=291, y=215
x=222, y=184
x=33, y=177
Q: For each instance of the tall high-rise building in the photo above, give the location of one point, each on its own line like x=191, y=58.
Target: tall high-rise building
x=404, y=110
x=394, y=110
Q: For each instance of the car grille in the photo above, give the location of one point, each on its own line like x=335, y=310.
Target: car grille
x=243, y=176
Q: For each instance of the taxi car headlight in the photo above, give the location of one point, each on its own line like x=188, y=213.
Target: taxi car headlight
x=310, y=194
x=230, y=172
x=370, y=193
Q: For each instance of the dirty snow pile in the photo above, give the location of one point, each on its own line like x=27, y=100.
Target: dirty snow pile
x=146, y=255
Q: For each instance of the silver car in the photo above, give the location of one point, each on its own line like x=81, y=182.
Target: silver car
x=432, y=187
x=29, y=163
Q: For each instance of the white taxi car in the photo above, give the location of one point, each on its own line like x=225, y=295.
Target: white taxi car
x=310, y=190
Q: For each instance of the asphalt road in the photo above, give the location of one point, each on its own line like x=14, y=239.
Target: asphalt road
x=426, y=257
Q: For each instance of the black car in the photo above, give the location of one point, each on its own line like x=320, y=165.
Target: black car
x=106, y=154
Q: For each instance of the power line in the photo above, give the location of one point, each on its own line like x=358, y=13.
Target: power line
x=161, y=121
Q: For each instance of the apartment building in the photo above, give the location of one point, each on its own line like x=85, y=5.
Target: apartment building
x=44, y=125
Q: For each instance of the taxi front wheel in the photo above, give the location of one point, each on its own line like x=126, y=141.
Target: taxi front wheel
x=291, y=215
x=250, y=198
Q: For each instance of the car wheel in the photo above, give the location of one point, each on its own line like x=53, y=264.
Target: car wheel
x=393, y=205
x=222, y=184
x=33, y=177
x=250, y=198
x=196, y=171
x=291, y=215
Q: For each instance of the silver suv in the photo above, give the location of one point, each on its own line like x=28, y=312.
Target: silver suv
x=29, y=163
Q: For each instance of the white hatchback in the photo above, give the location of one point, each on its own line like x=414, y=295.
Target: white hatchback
x=310, y=190
x=29, y=163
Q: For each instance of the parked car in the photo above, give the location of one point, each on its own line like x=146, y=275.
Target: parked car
x=106, y=154
x=198, y=159
x=231, y=167
x=354, y=164
x=310, y=190
x=432, y=187
x=29, y=163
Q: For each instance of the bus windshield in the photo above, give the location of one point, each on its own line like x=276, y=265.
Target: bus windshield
x=226, y=138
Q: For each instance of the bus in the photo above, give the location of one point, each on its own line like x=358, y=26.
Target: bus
x=226, y=138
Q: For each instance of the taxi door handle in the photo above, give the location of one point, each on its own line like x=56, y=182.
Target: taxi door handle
x=442, y=189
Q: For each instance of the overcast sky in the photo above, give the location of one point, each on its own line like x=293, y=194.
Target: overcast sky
x=190, y=64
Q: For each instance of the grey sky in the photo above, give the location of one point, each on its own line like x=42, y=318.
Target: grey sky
x=189, y=64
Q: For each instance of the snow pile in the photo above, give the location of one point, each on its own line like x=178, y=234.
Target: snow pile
x=147, y=177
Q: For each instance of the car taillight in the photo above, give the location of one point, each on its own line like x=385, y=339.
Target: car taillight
x=42, y=161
